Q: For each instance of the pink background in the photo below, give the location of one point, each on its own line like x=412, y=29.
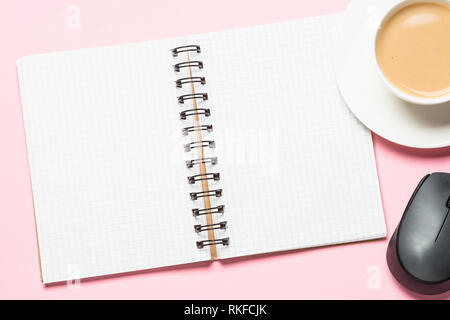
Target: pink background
x=356, y=271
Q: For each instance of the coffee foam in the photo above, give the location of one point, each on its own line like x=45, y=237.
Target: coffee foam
x=413, y=49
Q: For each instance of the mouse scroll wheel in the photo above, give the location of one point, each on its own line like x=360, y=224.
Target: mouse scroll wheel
x=448, y=203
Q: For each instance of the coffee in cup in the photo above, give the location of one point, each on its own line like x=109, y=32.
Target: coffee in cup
x=413, y=51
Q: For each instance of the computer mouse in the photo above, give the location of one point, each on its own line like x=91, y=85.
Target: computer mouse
x=418, y=253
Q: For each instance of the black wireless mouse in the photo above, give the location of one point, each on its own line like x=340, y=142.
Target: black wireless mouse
x=418, y=254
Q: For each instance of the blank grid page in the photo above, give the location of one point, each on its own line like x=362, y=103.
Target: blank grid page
x=103, y=137
x=298, y=169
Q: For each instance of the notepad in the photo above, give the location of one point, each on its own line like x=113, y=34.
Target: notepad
x=192, y=149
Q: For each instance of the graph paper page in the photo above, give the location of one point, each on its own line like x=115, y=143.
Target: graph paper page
x=104, y=144
x=297, y=168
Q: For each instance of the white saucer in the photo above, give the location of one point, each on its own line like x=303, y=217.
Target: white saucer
x=365, y=93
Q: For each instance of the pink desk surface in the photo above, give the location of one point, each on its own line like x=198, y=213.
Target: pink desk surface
x=355, y=271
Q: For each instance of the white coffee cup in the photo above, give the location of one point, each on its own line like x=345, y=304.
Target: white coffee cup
x=387, y=14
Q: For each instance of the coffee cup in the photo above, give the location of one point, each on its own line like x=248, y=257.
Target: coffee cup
x=412, y=50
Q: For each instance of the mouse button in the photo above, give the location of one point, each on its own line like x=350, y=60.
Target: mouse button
x=427, y=210
x=419, y=186
x=419, y=226
x=430, y=201
x=437, y=188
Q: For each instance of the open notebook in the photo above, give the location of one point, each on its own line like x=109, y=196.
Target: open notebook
x=235, y=144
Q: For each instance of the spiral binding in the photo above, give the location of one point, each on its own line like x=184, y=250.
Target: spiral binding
x=192, y=96
x=197, y=113
x=207, y=128
x=221, y=225
x=201, y=212
x=202, y=194
x=206, y=176
x=199, y=144
x=176, y=51
x=188, y=64
x=204, y=243
x=191, y=163
x=179, y=83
